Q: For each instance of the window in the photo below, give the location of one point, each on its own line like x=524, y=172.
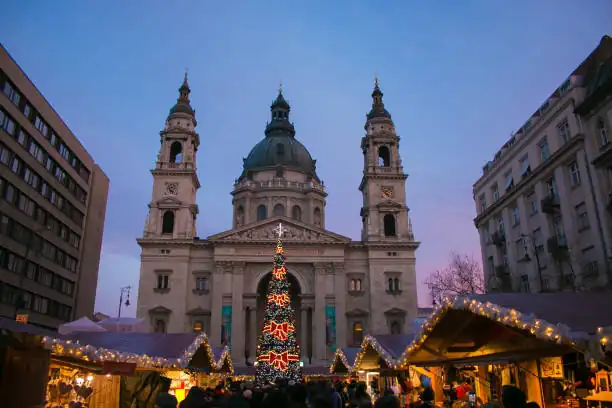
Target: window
x=384, y=157
x=389, y=225
x=495, y=192
x=262, y=212
x=5, y=155
x=357, y=333
x=574, y=174
x=516, y=218
x=602, y=130
x=525, y=168
x=201, y=284
x=534, y=204
x=551, y=187
x=168, y=222
x=509, y=181
x=558, y=229
x=278, y=210
x=16, y=165
x=176, y=152
x=582, y=218
x=355, y=285
x=160, y=326
x=525, y=284
x=500, y=224
x=482, y=202
x=163, y=281
x=296, y=213
x=64, y=152
x=41, y=126
x=544, y=149
x=393, y=285
x=396, y=328
x=197, y=326
x=11, y=93
x=8, y=126
x=280, y=149
x=564, y=131
x=22, y=138
x=521, y=250
x=27, y=110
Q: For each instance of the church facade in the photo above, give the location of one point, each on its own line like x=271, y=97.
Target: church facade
x=341, y=289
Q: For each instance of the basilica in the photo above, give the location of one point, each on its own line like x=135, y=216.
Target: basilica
x=341, y=289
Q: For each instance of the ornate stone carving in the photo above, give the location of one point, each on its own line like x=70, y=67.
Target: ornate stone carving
x=290, y=232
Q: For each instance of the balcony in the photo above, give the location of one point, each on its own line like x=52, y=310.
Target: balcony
x=498, y=238
x=557, y=247
x=550, y=204
x=278, y=184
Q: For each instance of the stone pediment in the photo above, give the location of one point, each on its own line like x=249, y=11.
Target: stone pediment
x=160, y=310
x=390, y=204
x=294, y=231
x=168, y=201
x=395, y=312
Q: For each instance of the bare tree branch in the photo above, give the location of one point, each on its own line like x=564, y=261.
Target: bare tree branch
x=462, y=276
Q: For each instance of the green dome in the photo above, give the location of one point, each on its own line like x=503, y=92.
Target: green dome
x=280, y=147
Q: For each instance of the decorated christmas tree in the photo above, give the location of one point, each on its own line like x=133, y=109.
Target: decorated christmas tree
x=278, y=353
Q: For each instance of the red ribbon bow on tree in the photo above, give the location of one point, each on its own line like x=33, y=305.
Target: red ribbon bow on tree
x=279, y=330
x=280, y=300
x=279, y=273
x=280, y=361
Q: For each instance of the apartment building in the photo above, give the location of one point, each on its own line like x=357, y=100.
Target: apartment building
x=52, y=208
x=539, y=203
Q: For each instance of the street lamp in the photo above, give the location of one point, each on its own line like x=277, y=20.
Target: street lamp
x=527, y=258
x=124, y=291
x=20, y=302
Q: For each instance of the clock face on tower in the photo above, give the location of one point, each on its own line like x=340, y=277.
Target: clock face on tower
x=172, y=189
x=386, y=192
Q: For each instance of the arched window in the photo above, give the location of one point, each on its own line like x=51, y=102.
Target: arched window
x=384, y=156
x=160, y=326
x=317, y=216
x=197, y=326
x=389, y=225
x=358, y=285
x=357, y=333
x=352, y=285
x=396, y=328
x=239, y=216
x=296, y=213
x=279, y=210
x=603, y=132
x=168, y=222
x=262, y=212
x=176, y=152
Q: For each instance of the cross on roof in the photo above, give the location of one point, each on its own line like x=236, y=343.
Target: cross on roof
x=279, y=230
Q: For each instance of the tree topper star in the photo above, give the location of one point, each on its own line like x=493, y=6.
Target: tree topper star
x=279, y=230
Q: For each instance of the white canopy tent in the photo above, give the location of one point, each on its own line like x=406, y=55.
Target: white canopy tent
x=80, y=325
x=124, y=324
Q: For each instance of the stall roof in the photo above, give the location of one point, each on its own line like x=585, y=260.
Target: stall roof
x=145, y=349
x=16, y=327
x=580, y=311
x=481, y=327
x=344, y=359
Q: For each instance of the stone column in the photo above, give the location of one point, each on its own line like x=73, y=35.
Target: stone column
x=253, y=333
x=340, y=291
x=304, y=334
x=217, y=303
x=238, y=320
x=318, y=320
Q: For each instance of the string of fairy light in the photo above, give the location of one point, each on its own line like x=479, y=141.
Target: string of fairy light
x=73, y=348
x=278, y=352
x=557, y=333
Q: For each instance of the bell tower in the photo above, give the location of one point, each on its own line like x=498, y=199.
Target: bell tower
x=384, y=213
x=173, y=208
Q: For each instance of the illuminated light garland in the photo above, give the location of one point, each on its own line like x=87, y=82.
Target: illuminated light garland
x=558, y=333
x=90, y=353
x=278, y=351
x=339, y=356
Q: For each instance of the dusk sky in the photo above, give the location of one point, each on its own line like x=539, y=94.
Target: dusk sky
x=458, y=78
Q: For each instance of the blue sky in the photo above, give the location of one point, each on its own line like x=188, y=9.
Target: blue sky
x=458, y=78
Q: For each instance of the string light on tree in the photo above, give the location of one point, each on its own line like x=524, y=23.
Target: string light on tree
x=278, y=352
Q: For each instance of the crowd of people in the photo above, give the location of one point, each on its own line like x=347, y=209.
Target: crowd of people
x=319, y=394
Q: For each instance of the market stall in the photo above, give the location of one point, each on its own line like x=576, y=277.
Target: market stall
x=111, y=369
